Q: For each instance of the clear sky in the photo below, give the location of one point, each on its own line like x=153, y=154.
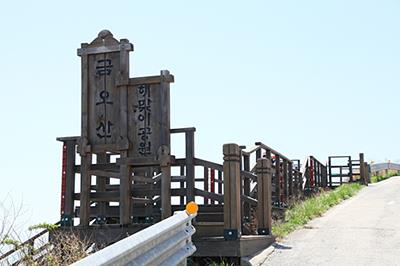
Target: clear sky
x=305, y=77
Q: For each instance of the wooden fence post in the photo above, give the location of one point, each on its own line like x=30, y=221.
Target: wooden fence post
x=278, y=179
x=165, y=164
x=324, y=176
x=70, y=183
x=285, y=181
x=125, y=192
x=190, y=167
x=232, y=192
x=246, y=187
x=264, y=196
x=101, y=184
x=362, y=170
x=290, y=167
x=367, y=173
x=84, y=212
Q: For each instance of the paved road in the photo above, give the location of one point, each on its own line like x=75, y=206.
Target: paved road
x=364, y=230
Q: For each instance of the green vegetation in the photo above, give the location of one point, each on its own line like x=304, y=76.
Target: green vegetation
x=222, y=263
x=49, y=227
x=302, y=212
x=65, y=249
x=9, y=241
x=378, y=178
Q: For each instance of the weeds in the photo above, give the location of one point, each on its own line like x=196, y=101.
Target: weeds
x=301, y=213
x=378, y=178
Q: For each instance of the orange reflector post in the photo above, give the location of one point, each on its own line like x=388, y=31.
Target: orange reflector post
x=192, y=208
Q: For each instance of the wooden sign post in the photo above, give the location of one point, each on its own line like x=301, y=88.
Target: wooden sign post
x=127, y=117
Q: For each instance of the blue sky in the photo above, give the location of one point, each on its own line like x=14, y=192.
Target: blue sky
x=305, y=77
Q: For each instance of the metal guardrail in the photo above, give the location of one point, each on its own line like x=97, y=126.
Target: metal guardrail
x=165, y=243
x=385, y=166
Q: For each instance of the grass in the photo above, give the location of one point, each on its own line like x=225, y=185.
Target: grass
x=301, y=213
x=378, y=178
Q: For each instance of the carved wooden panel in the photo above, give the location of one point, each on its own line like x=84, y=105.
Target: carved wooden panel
x=149, y=114
x=105, y=65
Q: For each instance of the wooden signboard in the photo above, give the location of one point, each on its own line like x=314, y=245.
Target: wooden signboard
x=126, y=117
x=149, y=114
x=105, y=64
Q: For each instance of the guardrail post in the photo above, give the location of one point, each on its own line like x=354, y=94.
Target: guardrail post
x=264, y=196
x=232, y=192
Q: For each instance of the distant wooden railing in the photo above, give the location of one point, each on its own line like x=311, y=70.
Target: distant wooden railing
x=316, y=174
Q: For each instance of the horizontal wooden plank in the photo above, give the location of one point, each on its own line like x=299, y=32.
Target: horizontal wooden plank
x=113, y=211
x=182, y=130
x=104, y=167
x=249, y=175
x=249, y=200
x=138, y=161
x=201, y=162
x=179, y=162
x=209, y=195
x=150, y=80
x=105, y=49
x=180, y=178
x=178, y=192
x=74, y=138
x=144, y=179
x=265, y=147
x=103, y=173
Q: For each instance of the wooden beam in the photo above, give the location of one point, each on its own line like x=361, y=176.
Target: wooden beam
x=165, y=163
x=208, y=164
x=264, y=177
x=209, y=195
x=246, y=187
x=84, y=216
x=277, y=179
x=103, y=173
x=190, y=165
x=102, y=181
x=125, y=190
x=290, y=178
x=70, y=177
x=232, y=192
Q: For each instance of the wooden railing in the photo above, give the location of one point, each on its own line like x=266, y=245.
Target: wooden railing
x=316, y=175
x=235, y=197
x=344, y=169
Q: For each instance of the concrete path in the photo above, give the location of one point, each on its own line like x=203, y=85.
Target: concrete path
x=363, y=230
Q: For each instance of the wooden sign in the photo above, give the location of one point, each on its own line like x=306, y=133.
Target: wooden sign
x=105, y=64
x=149, y=114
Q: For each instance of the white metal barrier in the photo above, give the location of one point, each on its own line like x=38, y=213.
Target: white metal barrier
x=165, y=243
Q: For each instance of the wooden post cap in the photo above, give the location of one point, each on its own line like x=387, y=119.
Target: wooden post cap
x=104, y=34
x=263, y=166
x=231, y=152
